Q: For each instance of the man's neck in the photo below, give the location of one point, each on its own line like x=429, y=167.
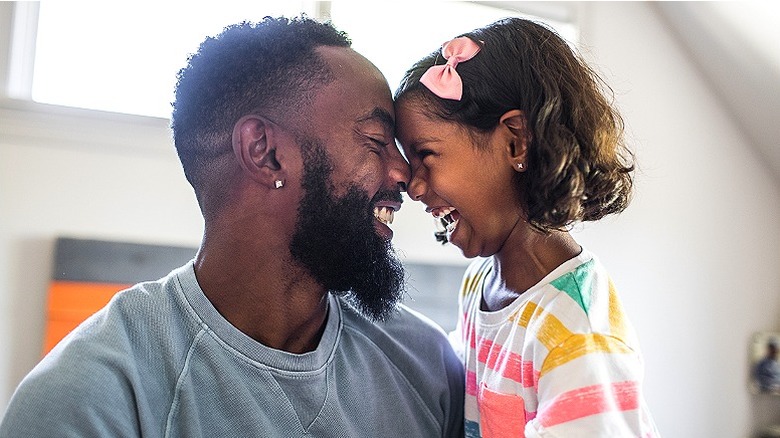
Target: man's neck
x=263, y=293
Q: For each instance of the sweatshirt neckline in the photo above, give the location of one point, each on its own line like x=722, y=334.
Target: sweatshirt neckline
x=244, y=346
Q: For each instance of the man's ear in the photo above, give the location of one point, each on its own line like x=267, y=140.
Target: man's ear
x=254, y=147
x=515, y=127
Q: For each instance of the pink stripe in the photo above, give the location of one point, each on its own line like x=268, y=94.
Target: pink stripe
x=469, y=335
x=508, y=363
x=530, y=375
x=590, y=400
x=471, y=383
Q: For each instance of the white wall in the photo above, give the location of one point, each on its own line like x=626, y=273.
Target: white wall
x=79, y=185
x=695, y=256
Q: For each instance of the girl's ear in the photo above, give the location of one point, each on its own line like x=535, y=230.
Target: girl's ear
x=255, y=150
x=515, y=127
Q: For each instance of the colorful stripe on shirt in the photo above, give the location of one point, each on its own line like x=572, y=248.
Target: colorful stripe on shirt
x=564, y=357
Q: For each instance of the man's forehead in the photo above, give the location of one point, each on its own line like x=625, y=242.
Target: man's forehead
x=342, y=57
x=352, y=67
x=379, y=115
x=358, y=88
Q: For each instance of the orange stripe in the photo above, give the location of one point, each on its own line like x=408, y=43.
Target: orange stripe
x=590, y=400
x=72, y=302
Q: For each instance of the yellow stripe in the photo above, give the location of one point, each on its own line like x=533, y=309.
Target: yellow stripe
x=579, y=345
x=525, y=317
x=617, y=325
x=550, y=331
x=471, y=282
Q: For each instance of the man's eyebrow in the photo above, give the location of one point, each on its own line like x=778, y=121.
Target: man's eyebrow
x=382, y=116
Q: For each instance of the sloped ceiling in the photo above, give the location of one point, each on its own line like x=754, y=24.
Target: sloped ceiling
x=736, y=45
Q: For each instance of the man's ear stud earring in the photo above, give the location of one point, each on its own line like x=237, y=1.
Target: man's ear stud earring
x=520, y=166
x=278, y=184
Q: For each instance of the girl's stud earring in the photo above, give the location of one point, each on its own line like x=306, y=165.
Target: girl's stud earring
x=278, y=184
x=520, y=166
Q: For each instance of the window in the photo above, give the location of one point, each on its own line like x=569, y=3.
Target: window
x=401, y=33
x=124, y=56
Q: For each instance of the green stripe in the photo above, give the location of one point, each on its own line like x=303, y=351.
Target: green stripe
x=577, y=284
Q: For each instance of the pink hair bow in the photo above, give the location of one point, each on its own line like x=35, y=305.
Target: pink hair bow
x=443, y=80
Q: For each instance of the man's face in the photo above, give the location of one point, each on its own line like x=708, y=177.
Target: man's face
x=335, y=238
x=352, y=177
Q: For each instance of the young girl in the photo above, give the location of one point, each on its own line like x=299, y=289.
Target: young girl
x=511, y=141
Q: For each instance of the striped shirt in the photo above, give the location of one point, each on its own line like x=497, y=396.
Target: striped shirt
x=561, y=361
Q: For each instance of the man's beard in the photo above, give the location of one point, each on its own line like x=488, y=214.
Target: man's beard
x=336, y=241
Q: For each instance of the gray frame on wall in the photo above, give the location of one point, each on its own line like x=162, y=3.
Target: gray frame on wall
x=432, y=289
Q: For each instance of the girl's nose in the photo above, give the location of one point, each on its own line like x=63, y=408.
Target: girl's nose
x=417, y=186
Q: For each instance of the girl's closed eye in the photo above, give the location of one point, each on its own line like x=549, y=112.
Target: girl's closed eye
x=424, y=153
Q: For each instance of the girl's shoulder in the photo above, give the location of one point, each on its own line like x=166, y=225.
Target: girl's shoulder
x=583, y=300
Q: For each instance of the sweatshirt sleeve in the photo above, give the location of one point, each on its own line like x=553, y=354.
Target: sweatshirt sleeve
x=62, y=397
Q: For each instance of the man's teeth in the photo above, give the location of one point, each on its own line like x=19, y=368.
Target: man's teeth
x=384, y=214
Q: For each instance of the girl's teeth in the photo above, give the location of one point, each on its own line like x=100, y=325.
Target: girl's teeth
x=441, y=213
x=451, y=226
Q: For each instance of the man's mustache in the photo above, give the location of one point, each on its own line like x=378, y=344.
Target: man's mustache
x=387, y=195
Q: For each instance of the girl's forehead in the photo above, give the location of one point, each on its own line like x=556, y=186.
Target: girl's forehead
x=411, y=120
x=417, y=110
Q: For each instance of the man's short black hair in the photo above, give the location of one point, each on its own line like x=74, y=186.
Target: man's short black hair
x=269, y=67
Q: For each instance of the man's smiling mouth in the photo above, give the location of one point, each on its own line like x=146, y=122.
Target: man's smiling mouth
x=386, y=203
x=384, y=214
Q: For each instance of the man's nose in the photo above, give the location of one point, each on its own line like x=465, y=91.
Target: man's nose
x=399, y=170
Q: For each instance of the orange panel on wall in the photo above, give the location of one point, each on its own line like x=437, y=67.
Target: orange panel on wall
x=88, y=273
x=70, y=303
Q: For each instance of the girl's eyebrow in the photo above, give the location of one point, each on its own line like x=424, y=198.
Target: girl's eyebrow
x=418, y=142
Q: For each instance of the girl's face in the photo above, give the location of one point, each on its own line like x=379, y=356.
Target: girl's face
x=471, y=187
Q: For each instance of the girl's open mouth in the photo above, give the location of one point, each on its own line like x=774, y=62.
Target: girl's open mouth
x=446, y=220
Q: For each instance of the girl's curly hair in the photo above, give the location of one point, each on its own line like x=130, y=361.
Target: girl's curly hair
x=578, y=166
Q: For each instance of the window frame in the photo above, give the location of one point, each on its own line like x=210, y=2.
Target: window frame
x=21, y=117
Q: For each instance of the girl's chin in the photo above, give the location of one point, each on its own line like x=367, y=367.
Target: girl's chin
x=454, y=239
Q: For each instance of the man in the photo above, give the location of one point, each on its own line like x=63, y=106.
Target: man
x=286, y=323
